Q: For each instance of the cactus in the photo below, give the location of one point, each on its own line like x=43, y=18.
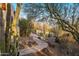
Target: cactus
x=9, y=42
x=7, y=31
x=14, y=29
x=1, y=30
x=11, y=35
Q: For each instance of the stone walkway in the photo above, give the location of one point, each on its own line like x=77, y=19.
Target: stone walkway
x=40, y=45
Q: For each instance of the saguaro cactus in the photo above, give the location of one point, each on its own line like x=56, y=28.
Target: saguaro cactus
x=11, y=35
x=1, y=30
x=7, y=31
x=14, y=29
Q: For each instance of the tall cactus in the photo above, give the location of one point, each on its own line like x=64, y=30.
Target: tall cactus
x=1, y=30
x=11, y=37
x=14, y=29
x=7, y=31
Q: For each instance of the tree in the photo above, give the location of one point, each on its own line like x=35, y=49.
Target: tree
x=71, y=27
x=65, y=15
x=25, y=27
x=34, y=11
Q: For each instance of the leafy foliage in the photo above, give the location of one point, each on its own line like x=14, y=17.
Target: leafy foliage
x=25, y=27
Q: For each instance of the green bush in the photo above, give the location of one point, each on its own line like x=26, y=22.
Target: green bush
x=25, y=27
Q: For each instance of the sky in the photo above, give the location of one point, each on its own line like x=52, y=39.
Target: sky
x=22, y=15
x=14, y=6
